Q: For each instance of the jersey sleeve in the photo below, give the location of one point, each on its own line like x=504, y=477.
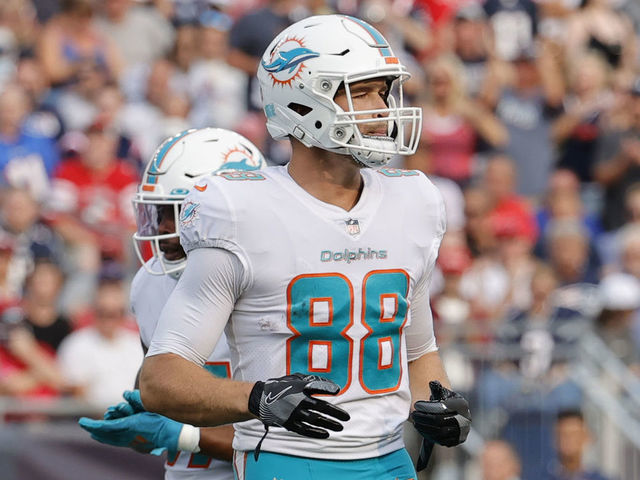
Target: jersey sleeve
x=420, y=337
x=197, y=311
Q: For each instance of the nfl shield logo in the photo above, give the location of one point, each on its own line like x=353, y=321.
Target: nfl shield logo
x=353, y=227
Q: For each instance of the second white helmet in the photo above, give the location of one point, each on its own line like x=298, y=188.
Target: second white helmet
x=178, y=163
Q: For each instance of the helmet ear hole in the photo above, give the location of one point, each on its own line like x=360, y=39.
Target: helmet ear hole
x=318, y=124
x=300, y=109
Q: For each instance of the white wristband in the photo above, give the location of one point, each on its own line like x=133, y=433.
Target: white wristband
x=189, y=439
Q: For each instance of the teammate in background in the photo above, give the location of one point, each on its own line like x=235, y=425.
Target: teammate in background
x=178, y=163
x=319, y=267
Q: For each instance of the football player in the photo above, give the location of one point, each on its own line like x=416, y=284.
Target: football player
x=319, y=273
x=178, y=163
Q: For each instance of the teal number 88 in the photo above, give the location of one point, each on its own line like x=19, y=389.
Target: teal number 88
x=321, y=311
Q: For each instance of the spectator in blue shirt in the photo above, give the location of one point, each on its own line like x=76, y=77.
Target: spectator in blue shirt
x=26, y=160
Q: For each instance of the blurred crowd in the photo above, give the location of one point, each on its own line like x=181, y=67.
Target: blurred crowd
x=531, y=131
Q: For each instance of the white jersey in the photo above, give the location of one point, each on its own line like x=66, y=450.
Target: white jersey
x=326, y=292
x=149, y=294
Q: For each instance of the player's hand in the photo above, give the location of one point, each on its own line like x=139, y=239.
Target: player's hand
x=132, y=405
x=287, y=402
x=128, y=424
x=144, y=432
x=445, y=419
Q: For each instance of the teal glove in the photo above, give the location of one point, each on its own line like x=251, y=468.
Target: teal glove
x=129, y=425
x=144, y=432
x=132, y=405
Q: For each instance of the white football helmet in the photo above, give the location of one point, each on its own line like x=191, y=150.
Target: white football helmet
x=301, y=71
x=178, y=163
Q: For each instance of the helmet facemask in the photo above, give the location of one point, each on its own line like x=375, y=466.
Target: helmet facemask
x=149, y=221
x=403, y=127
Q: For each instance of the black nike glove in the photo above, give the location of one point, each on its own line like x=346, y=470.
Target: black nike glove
x=287, y=402
x=445, y=419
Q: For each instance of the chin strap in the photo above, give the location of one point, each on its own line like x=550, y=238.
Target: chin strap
x=384, y=148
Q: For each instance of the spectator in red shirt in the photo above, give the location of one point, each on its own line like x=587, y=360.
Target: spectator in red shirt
x=453, y=123
x=507, y=206
x=92, y=193
x=91, y=210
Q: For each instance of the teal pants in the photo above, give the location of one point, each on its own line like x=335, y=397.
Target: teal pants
x=273, y=466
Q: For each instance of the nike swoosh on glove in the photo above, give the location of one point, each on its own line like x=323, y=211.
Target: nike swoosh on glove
x=287, y=402
x=445, y=419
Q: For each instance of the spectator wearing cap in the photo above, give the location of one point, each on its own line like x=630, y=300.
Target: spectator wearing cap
x=527, y=106
x=472, y=43
x=26, y=160
x=617, y=165
x=216, y=89
x=102, y=360
x=619, y=295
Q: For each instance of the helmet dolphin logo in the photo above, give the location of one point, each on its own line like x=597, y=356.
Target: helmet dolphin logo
x=289, y=60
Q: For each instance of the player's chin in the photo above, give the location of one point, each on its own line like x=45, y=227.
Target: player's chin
x=172, y=252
